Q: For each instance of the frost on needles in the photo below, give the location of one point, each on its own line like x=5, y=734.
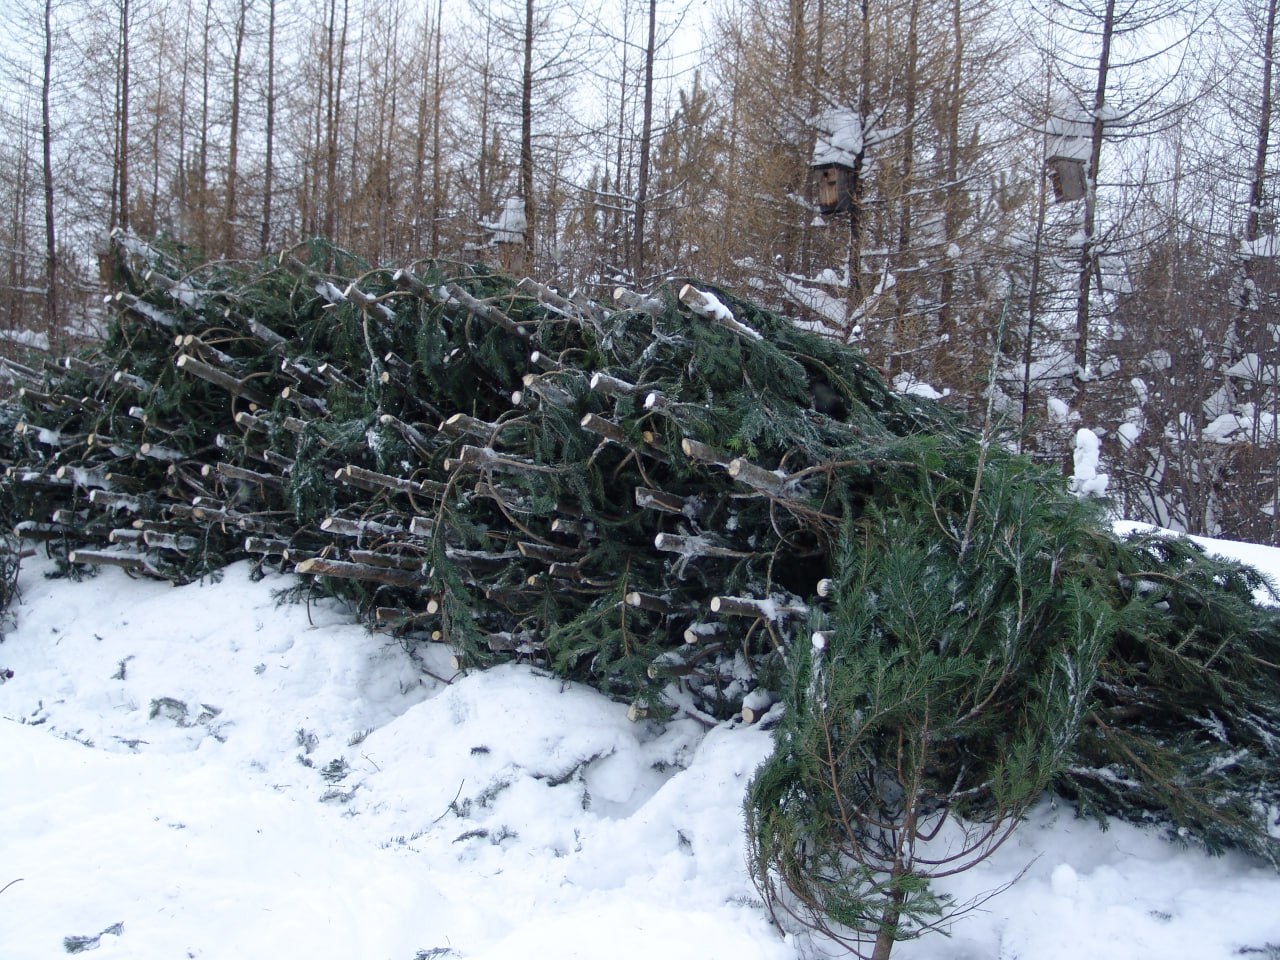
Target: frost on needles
x=681, y=498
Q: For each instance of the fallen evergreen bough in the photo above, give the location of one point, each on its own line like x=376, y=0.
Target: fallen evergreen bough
x=691, y=504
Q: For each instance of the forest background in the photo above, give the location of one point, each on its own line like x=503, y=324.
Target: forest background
x=637, y=140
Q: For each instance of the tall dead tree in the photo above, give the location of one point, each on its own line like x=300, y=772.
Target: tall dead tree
x=269, y=134
x=120, y=159
x=428, y=159
x=1088, y=251
x=951, y=169
x=526, y=133
x=1256, y=314
x=1262, y=146
x=335, y=66
x=437, y=150
x=46, y=145
x=201, y=206
x=231, y=213
x=646, y=141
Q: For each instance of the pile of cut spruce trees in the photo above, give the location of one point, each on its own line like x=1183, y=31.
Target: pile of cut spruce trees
x=663, y=495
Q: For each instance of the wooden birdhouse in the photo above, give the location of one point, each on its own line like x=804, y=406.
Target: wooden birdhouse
x=835, y=187
x=1070, y=133
x=838, y=154
x=1066, y=173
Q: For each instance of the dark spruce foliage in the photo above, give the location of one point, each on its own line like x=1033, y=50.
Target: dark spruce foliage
x=646, y=497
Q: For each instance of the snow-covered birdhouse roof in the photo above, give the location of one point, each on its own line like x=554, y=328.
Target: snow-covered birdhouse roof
x=1070, y=132
x=511, y=222
x=840, y=137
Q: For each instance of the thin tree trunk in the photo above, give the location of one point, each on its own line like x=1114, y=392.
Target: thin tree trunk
x=46, y=137
x=646, y=139
x=799, y=83
x=483, y=173
x=526, y=135
x=119, y=203
x=951, y=175
x=336, y=62
x=437, y=157
x=1255, y=330
x=124, y=115
x=1088, y=256
x=354, y=154
x=816, y=87
x=388, y=238
x=113, y=201
x=233, y=157
x=268, y=175
x=182, y=172
x=854, y=267
x=314, y=169
x=202, y=171
x=619, y=254
x=423, y=129
x=158, y=137
x=328, y=124
x=1253, y=218
x=910, y=95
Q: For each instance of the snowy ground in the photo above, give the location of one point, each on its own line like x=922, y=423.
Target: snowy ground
x=198, y=772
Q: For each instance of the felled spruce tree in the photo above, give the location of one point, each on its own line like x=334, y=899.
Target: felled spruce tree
x=668, y=496
x=965, y=669
x=1184, y=731
x=942, y=698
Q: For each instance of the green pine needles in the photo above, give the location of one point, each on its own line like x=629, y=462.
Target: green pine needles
x=936, y=706
x=1185, y=727
x=691, y=504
